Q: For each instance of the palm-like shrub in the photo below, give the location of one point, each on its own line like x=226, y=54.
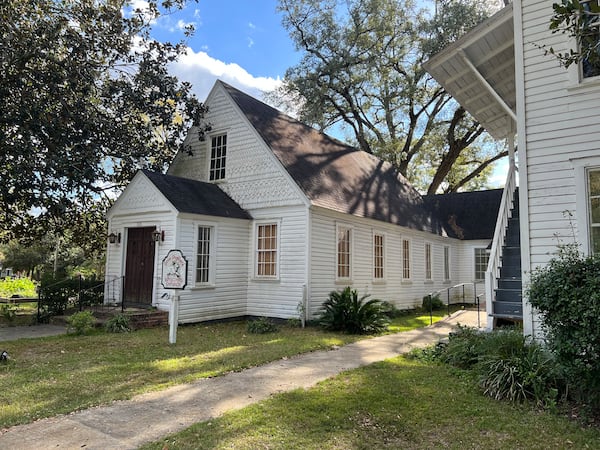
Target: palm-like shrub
x=345, y=311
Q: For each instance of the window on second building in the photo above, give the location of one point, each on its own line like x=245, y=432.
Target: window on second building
x=428, y=274
x=594, y=209
x=446, y=263
x=405, y=259
x=344, y=252
x=378, y=256
x=218, y=154
x=481, y=261
x=267, y=249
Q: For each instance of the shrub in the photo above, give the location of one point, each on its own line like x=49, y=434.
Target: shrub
x=118, y=324
x=9, y=312
x=23, y=287
x=262, y=325
x=81, y=323
x=566, y=292
x=391, y=311
x=433, y=302
x=509, y=367
x=345, y=311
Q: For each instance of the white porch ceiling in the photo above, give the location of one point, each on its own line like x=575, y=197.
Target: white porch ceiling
x=478, y=70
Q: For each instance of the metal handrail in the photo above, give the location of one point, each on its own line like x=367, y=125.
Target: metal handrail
x=448, y=303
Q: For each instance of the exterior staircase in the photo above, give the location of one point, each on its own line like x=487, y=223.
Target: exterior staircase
x=507, y=303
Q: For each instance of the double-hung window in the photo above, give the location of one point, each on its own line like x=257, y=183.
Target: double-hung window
x=405, y=259
x=593, y=191
x=205, y=255
x=590, y=38
x=378, y=257
x=267, y=250
x=446, y=263
x=481, y=262
x=218, y=156
x=428, y=274
x=344, y=253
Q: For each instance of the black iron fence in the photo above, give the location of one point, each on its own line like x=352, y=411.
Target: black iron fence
x=55, y=297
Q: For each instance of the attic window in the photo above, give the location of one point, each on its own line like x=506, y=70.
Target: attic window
x=218, y=153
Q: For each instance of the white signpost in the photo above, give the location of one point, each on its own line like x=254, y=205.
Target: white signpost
x=174, y=276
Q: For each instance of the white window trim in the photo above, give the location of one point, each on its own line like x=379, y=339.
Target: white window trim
x=214, y=134
x=346, y=280
x=431, y=258
x=384, y=255
x=410, y=258
x=475, y=262
x=446, y=268
x=212, y=264
x=258, y=223
x=582, y=212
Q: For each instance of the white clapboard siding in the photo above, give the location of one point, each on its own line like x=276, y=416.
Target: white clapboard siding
x=403, y=294
x=280, y=297
x=254, y=178
x=559, y=125
x=225, y=298
x=141, y=205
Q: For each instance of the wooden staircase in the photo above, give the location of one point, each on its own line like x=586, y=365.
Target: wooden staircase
x=507, y=303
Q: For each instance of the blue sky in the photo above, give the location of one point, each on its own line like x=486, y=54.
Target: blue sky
x=241, y=42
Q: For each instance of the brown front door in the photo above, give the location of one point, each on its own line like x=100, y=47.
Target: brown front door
x=139, y=266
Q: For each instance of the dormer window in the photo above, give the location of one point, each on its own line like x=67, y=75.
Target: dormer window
x=218, y=153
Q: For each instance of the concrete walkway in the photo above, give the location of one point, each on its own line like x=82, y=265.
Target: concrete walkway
x=149, y=417
x=33, y=331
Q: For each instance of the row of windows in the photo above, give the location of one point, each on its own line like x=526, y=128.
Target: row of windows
x=344, y=257
x=267, y=254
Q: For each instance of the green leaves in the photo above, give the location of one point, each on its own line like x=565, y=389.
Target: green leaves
x=345, y=311
x=361, y=69
x=87, y=101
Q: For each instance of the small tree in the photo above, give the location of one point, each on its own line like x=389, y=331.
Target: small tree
x=567, y=294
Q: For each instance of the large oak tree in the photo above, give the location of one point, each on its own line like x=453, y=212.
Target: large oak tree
x=362, y=68
x=86, y=101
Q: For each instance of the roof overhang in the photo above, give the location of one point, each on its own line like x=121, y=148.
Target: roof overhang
x=478, y=70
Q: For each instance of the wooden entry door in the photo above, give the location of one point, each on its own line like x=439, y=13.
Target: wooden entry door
x=139, y=266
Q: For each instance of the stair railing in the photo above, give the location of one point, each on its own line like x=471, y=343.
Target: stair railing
x=504, y=213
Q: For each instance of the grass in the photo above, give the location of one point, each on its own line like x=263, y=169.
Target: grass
x=61, y=374
x=397, y=403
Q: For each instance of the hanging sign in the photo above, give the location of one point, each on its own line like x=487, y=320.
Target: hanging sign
x=174, y=270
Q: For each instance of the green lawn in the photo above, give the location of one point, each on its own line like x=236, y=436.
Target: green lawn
x=399, y=404
x=61, y=374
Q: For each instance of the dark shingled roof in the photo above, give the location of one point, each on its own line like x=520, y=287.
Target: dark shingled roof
x=334, y=175
x=467, y=215
x=196, y=197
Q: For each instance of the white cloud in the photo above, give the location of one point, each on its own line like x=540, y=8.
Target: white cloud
x=181, y=25
x=251, y=25
x=250, y=42
x=144, y=7
x=202, y=70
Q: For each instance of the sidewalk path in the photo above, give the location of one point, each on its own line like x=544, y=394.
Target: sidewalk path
x=33, y=331
x=149, y=417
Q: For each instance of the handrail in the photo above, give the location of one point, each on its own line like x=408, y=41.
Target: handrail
x=492, y=272
x=447, y=290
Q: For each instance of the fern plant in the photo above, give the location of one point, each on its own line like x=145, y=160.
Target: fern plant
x=345, y=311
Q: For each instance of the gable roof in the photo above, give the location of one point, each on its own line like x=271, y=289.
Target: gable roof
x=334, y=175
x=196, y=197
x=467, y=215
